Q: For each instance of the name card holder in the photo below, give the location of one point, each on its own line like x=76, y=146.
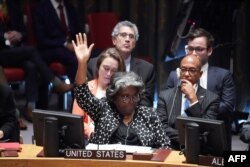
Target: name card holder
x=95, y=154
x=158, y=155
x=210, y=161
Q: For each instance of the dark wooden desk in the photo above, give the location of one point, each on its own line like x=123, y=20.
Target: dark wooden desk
x=27, y=158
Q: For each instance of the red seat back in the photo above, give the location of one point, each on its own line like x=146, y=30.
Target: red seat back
x=100, y=28
x=14, y=74
x=58, y=69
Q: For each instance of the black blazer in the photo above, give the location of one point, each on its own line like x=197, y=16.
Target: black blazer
x=14, y=22
x=8, y=120
x=140, y=67
x=169, y=107
x=219, y=81
x=48, y=29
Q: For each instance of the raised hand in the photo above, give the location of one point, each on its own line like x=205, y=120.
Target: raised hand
x=189, y=91
x=81, y=48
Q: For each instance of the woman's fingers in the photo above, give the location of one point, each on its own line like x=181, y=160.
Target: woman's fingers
x=84, y=38
x=77, y=38
x=80, y=38
x=91, y=47
x=80, y=45
x=73, y=43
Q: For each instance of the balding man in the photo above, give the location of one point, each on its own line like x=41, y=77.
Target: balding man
x=215, y=79
x=187, y=99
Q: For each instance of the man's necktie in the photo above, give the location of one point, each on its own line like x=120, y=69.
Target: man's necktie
x=186, y=104
x=63, y=20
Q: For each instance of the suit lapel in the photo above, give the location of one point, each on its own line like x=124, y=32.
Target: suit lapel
x=210, y=78
x=69, y=16
x=200, y=93
x=53, y=13
x=174, y=102
x=134, y=65
x=179, y=102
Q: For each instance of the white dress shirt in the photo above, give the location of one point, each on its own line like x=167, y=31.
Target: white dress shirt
x=203, y=79
x=127, y=63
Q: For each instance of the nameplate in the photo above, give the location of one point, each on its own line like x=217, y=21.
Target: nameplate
x=159, y=155
x=95, y=154
x=211, y=160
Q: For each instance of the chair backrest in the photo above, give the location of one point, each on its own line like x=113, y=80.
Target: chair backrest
x=14, y=74
x=100, y=28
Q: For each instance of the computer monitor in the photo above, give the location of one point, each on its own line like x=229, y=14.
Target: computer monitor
x=70, y=128
x=212, y=134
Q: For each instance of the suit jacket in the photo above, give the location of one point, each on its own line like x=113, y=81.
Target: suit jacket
x=51, y=36
x=144, y=69
x=169, y=107
x=219, y=81
x=18, y=55
x=48, y=28
x=14, y=21
x=8, y=120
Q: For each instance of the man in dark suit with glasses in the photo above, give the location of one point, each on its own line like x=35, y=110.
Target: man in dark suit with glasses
x=215, y=79
x=188, y=98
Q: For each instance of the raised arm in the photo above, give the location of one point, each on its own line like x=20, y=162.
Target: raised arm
x=82, y=93
x=82, y=52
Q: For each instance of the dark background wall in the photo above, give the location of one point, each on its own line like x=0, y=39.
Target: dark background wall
x=158, y=20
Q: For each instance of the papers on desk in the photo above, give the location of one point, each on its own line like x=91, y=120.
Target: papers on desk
x=9, y=149
x=127, y=148
x=10, y=146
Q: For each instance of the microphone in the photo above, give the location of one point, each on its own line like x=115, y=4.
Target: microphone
x=191, y=28
x=175, y=93
x=178, y=74
x=186, y=49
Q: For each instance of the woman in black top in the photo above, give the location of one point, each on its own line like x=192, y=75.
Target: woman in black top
x=118, y=118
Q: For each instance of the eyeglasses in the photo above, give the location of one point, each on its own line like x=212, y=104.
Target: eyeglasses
x=190, y=49
x=124, y=35
x=191, y=71
x=126, y=99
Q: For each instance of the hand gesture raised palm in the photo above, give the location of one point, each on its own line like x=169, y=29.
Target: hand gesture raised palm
x=81, y=48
